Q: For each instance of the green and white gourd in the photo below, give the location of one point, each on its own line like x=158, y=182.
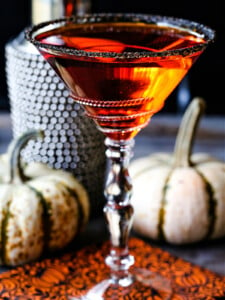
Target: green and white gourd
x=180, y=197
x=41, y=209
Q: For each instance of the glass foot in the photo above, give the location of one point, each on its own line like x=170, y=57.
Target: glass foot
x=145, y=286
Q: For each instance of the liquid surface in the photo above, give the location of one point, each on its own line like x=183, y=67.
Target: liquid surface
x=120, y=93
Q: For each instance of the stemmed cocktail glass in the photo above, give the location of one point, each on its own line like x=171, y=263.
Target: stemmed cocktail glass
x=121, y=68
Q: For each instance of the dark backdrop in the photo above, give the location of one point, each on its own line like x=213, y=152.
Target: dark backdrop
x=206, y=78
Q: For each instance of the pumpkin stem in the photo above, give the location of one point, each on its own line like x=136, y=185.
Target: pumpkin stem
x=185, y=137
x=16, y=170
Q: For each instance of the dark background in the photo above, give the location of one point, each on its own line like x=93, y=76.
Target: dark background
x=206, y=78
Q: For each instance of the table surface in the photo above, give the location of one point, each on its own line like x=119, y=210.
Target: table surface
x=160, y=136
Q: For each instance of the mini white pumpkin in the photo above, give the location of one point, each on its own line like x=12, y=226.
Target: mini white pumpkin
x=180, y=197
x=41, y=209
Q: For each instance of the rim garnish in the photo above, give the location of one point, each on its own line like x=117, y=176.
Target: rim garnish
x=194, y=28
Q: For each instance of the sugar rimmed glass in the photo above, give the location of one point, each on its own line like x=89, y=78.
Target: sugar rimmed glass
x=121, y=68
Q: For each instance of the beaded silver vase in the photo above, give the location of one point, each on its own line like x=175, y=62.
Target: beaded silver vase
x=39, y=100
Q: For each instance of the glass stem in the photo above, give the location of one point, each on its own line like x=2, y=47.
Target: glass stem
x=118, y=209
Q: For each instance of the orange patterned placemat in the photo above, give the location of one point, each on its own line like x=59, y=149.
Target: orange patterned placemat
x=72, y=273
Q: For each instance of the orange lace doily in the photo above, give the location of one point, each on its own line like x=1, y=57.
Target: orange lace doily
x=72, y=273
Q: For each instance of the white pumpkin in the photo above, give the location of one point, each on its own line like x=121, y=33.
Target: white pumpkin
x=4, y=170
x=40, y=209
x=180, y=197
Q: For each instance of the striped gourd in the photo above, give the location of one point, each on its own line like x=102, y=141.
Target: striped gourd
x=180, y=197
x=41, y=209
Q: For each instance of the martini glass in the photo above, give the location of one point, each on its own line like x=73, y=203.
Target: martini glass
x=121, y=68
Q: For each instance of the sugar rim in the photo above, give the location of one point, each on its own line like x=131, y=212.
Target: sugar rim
x=195, y=28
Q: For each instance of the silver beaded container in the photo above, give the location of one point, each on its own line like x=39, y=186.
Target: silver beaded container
x=39, y=100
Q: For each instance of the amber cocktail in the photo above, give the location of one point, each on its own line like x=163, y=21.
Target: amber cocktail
x=121, y=68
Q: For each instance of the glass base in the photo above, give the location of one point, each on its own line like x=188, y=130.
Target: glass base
x=142, y=284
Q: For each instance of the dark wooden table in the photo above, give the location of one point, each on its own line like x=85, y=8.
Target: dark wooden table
x=160, y=136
